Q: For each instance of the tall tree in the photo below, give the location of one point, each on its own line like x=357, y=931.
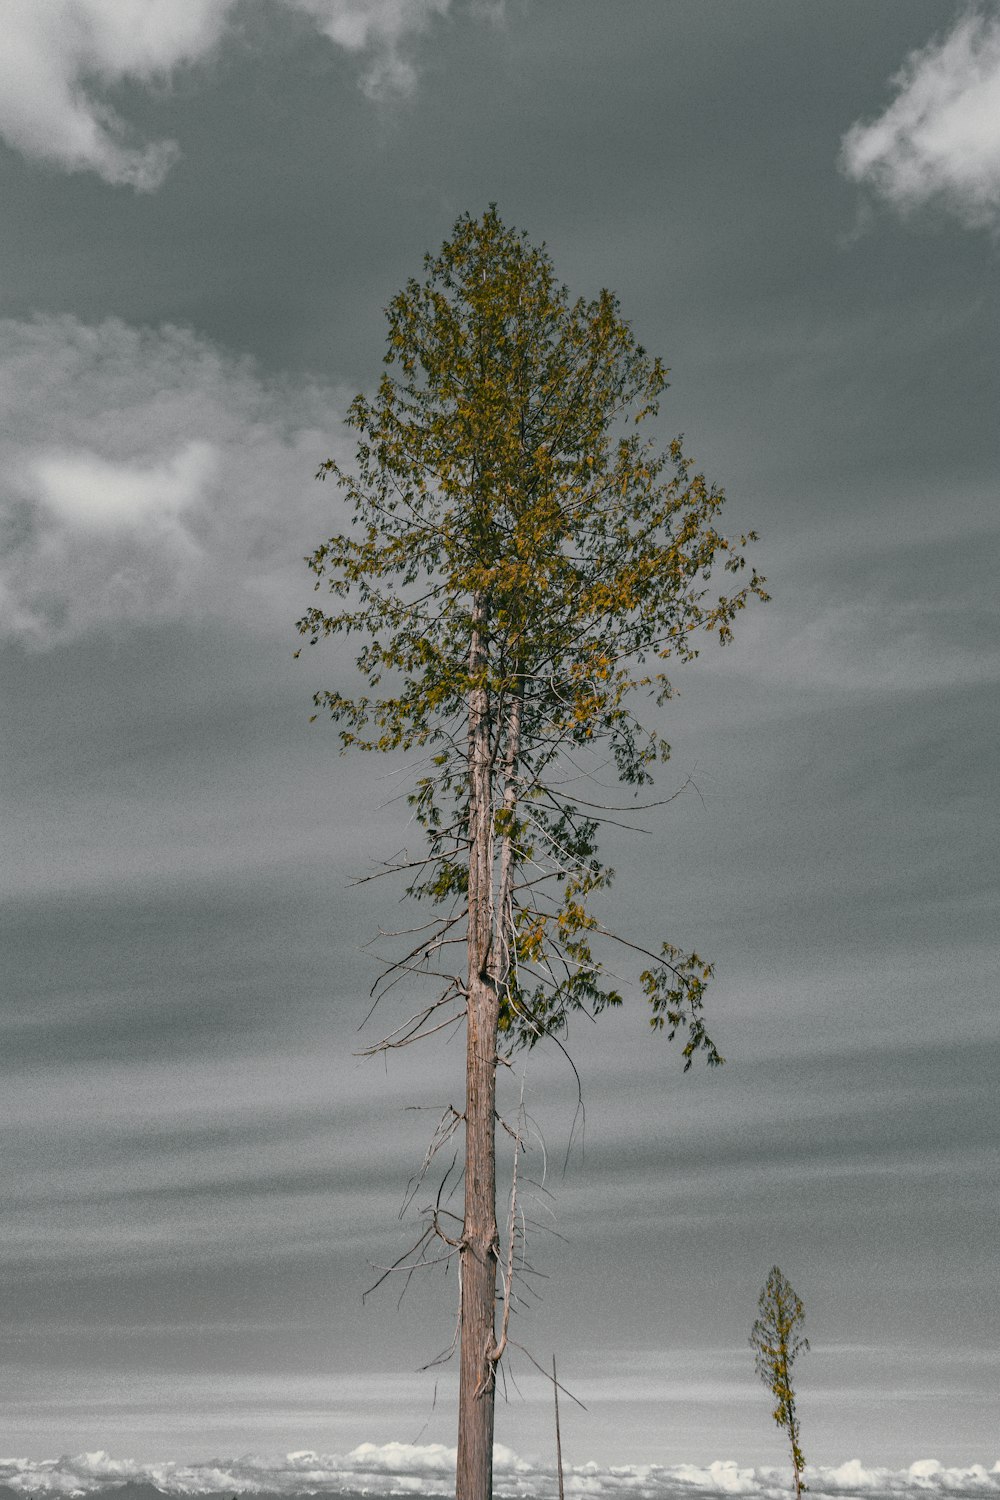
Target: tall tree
x=776, y=1339
x=519, y=561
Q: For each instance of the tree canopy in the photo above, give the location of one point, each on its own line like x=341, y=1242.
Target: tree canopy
x=777, y=1339
x=516, y=537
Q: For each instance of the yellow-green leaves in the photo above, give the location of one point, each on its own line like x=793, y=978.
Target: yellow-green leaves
x=776, y=1339
x=498, y=461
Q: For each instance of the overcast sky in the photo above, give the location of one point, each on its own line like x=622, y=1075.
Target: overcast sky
x=207, y=205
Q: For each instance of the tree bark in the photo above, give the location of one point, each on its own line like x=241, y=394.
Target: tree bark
x=500, y=959
x=479, y=1248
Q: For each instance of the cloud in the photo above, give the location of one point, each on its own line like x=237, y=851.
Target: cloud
x=85, y=492
x=60, y=58
x=380, y=28
x=429, y=1469
x=939, y=140
x=146, y=475
x=872, y=644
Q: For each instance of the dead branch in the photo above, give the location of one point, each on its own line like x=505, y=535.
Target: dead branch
x=527, y=1353
x=416, y=1035
x=496, y=1353
x=443, y=1132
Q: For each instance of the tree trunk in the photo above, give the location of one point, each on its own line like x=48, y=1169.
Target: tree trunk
x=478, y=1256
x=793, y=1433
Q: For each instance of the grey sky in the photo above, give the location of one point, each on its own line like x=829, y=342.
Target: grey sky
x=799, y=206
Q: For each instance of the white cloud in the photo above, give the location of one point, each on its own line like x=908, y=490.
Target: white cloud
x=146, y=475
x=427, y=1469
x=939, y=140
x=59, y=57
x=85, y=491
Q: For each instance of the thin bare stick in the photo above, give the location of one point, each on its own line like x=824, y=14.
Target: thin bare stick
x=559, y=1466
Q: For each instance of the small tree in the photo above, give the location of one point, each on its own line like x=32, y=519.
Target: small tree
x=520, y=562
x=776, y=1340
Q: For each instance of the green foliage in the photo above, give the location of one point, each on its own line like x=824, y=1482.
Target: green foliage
x=502, y=489
x=776, y=1340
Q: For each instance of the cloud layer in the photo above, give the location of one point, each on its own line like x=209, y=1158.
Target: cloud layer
x=939, y=140
x=429, y=1470
x=60, y=58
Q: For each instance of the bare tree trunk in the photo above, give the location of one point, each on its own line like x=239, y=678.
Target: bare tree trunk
x=480, y=1245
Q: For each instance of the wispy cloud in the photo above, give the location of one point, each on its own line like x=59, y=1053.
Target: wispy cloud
x=428, y=1469
x=939, y=140
x=61, y=57
x=380, y=30
x=872, y=644
x=147, y=476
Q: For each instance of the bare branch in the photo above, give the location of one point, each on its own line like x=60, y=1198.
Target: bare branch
x=416, y=1035
x=527, y=1353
